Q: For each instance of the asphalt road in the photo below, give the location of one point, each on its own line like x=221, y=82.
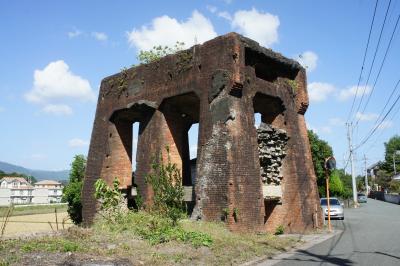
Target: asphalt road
x=370, y=236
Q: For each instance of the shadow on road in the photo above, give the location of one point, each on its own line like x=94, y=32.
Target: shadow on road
x=378, y=252
x=324, y=258
x=321, y=258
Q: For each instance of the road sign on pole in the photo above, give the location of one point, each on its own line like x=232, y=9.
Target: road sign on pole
x=330, y=165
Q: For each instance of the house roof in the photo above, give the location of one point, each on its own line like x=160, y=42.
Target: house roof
x=10, y=179
x=47, y=182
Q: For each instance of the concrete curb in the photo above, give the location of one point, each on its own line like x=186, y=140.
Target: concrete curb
x=310, y=241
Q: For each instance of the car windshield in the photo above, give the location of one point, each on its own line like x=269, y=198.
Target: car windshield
x=361, y=195
x=324, y=202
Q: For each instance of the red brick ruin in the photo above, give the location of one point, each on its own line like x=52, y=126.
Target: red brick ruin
x=254, y=179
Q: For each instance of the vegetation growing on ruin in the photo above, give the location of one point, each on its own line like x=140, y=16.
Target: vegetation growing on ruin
x=159, y=52
x=293, y=84
x=158, y=224
x=166, y=181
x=279, y=230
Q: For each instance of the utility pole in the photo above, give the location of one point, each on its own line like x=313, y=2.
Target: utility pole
x=366, y=175
x=352, y=165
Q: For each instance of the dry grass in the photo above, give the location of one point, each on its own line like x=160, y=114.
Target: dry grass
x=102, y=244
x=29, y=224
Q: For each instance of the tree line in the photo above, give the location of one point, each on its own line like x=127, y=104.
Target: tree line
x=340, y=182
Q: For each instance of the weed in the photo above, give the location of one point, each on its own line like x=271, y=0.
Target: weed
x=159, y=52
x=49, y=244
x=236, y=213
x=166, y=182
x=225, y=213
x=293, y=84
x=279, y=230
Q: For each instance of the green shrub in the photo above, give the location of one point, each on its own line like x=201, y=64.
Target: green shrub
x=154, y=228
x=113, y=204
x=279, y=230
x=158, y=52
x=166, y=182
x=72, y=195
x=110, y=197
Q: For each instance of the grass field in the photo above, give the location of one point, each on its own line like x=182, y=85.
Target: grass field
x=33, y=209
x=35, y=223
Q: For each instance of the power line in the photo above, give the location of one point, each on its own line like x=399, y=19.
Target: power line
x=374, y=57
x=382, y=120
x=380, y=69
x=363, y=62
x=379, y=135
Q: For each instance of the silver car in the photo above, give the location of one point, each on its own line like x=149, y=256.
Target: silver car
x=361, y=198
x=336, y=208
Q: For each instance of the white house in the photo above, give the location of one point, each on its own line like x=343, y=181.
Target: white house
x=15, y=190
x=47, y=191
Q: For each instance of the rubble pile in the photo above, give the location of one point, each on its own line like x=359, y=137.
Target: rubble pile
x=271, y=148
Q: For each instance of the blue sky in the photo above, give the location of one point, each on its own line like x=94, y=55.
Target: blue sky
x=55, y=53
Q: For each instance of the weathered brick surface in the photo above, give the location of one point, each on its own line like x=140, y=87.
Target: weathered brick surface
x=220, y=85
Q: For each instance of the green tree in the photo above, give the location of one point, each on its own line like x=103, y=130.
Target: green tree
x=336, y=187
x=78, y=166
x=391, y=147
x=320, y=150
x=72, y=191
x=383, y=179
x=394, y=186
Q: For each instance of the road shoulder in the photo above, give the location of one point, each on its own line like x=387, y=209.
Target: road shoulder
x=308, y=241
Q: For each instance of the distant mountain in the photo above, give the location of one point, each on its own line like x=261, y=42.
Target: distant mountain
x=38, y=174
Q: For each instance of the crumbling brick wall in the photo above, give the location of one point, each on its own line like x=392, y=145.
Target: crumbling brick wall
x=220, y=85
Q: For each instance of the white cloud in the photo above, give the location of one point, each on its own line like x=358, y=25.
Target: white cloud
x=212, y=9
x=259, y=26
x=165, y=30
x=225, y=15
x=319, y=91
x=100, y=36
x=1, y=109
x=57, y=109
x=348, y=93
x=308, y=60
x=56, y=81
x=385, y=125
x=77, y=143
x=75, y=33
x=366, y=116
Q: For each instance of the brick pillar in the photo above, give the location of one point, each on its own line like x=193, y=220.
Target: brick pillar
x=161, y=130
x=118, y=159
x=149, y=145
